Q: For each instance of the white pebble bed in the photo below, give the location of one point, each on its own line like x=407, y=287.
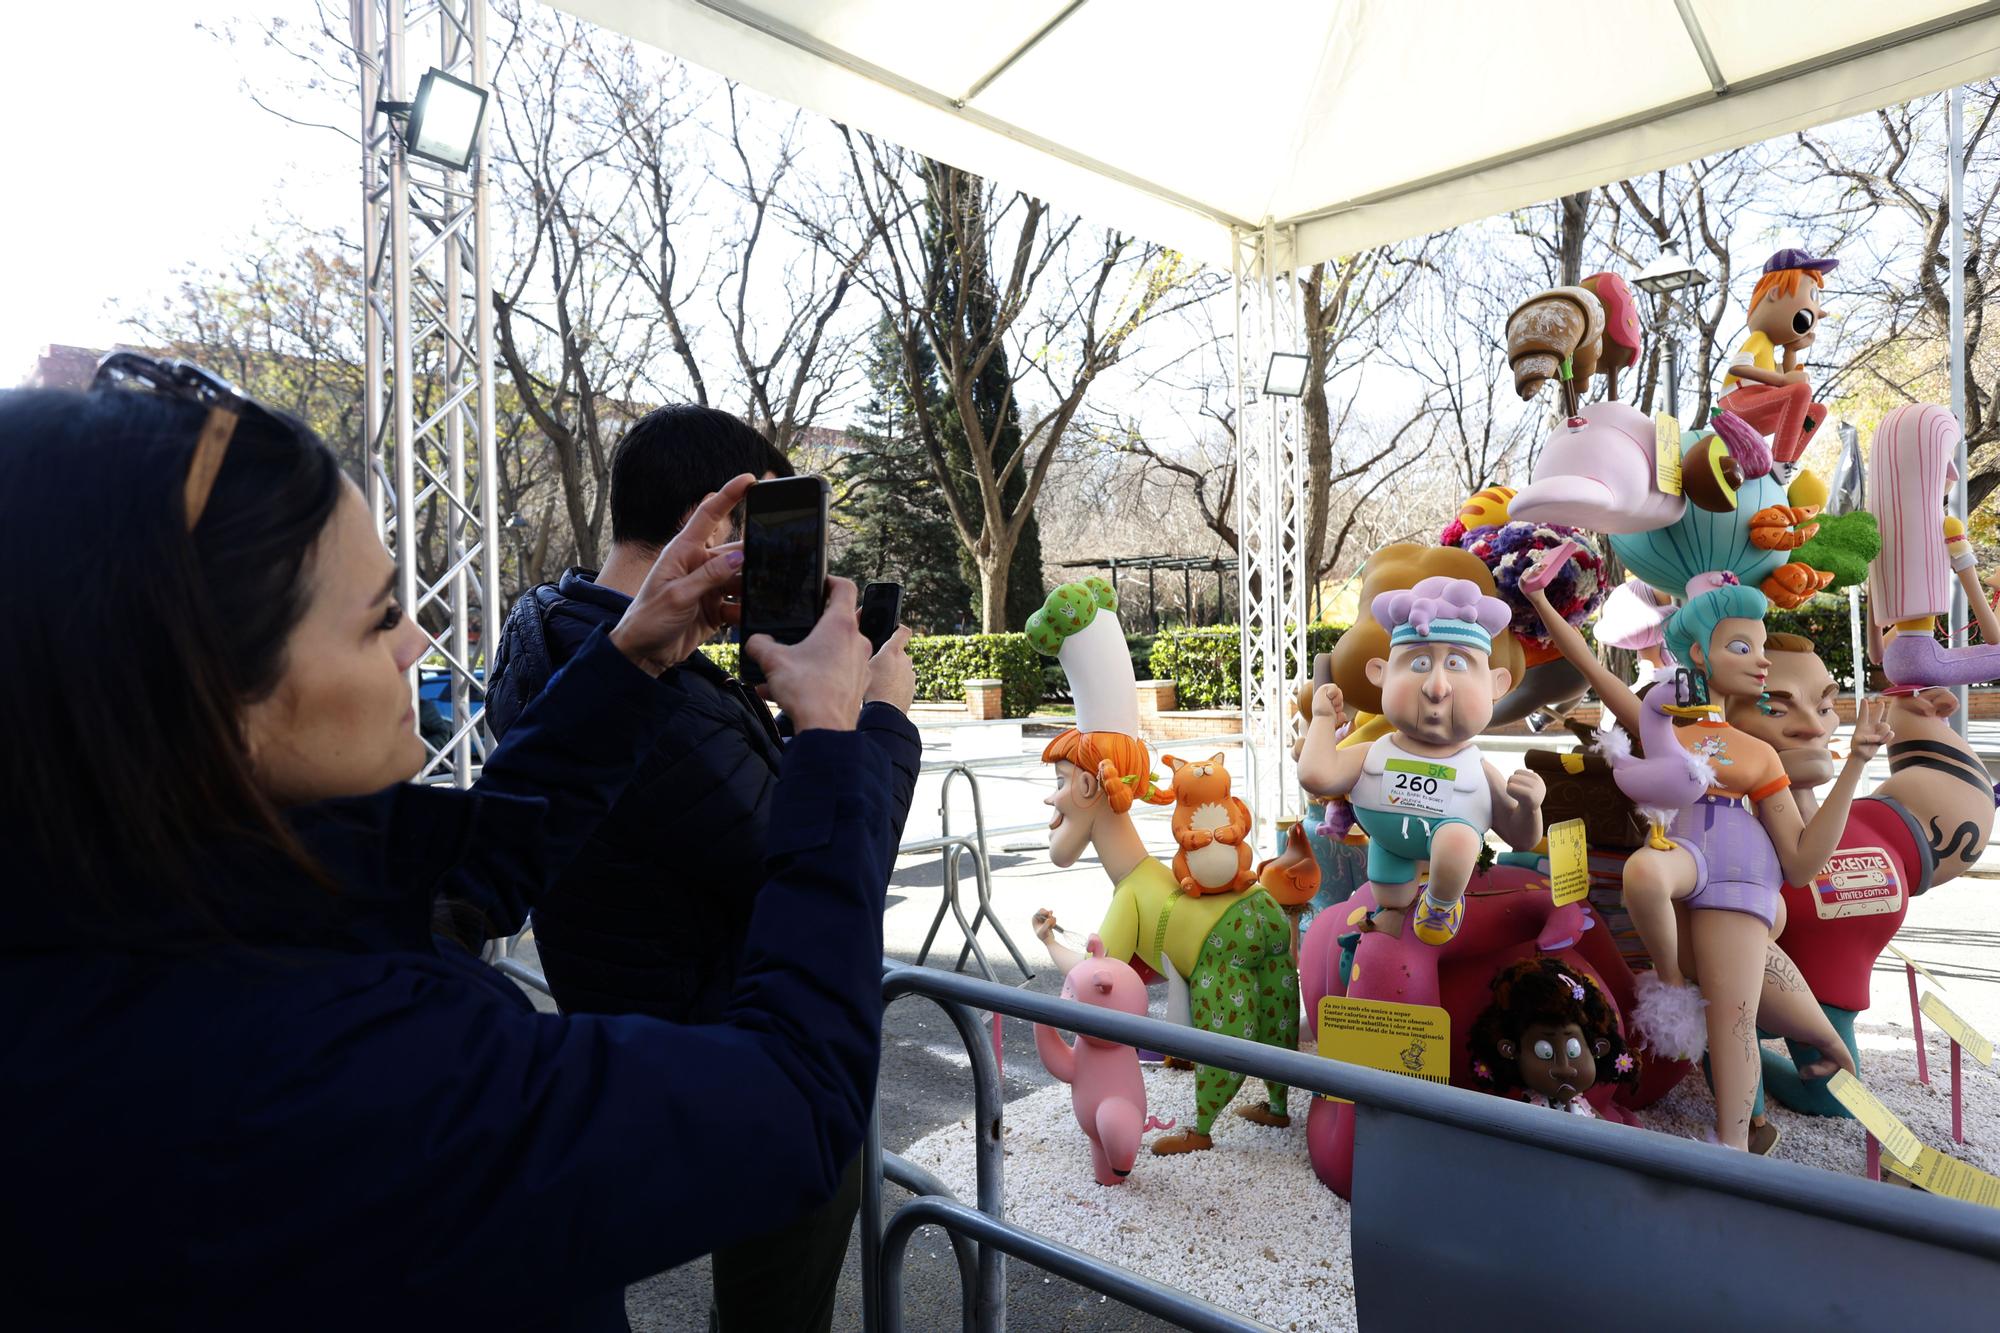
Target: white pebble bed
x=1254, y=1196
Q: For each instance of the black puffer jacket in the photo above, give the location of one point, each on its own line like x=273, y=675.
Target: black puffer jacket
x=653, y=916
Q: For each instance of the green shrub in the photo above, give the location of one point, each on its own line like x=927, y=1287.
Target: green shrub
x=944, y=662
x=1207, y=663
x=725, y=655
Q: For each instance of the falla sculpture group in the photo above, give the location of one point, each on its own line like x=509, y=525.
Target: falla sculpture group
x=1741, y=886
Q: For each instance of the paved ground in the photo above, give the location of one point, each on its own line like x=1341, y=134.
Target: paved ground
x=925, y=1078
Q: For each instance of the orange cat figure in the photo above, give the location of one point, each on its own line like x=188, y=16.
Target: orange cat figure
x=1210, y=826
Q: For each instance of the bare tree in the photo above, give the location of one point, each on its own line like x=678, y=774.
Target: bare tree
x=562, y=315
x=987, y=279
x=1895, y=187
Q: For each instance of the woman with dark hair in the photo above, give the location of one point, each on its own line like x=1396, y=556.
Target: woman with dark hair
x=246, y=1086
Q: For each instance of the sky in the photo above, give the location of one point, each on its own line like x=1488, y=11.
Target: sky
x=163, y=161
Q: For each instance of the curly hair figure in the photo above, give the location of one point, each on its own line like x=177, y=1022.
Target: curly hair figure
x=1548, y=1037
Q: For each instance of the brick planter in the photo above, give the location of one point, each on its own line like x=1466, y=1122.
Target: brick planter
x=983, y=700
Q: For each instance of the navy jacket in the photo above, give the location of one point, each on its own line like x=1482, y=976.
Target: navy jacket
x=336, y=1121
x=652, y=916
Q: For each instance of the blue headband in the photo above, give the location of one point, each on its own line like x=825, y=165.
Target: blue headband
x=1464, y=633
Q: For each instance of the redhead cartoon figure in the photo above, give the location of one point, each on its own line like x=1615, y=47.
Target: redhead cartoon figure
x=1765, y=385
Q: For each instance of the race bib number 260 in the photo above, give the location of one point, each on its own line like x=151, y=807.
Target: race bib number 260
x=1418, y=788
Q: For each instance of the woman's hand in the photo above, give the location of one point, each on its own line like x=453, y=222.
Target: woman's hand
x=1871, y=730
x=892, y=677
x=820, y=680
x=682, y=603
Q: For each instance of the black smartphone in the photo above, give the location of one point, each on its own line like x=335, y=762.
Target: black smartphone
x=881, y=612
x=784, y=562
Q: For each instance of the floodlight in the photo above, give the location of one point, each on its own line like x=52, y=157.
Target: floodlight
x=1669, y=273
x=1286, y=375
x=443, y=124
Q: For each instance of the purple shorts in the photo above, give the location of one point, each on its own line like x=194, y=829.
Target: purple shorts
x=1735, y=867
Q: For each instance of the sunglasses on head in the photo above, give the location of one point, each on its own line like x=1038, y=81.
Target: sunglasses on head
x=188, y=382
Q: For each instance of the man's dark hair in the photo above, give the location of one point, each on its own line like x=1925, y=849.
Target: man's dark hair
x=674, y=456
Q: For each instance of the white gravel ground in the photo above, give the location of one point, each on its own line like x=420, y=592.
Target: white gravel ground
x=1255, y=1194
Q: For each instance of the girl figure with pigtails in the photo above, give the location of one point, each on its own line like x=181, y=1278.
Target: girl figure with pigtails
x=1729, y=855
x=1549, y=1037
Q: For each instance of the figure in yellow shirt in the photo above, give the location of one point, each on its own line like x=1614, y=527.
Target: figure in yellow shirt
x=1232, y=949
x=1769, y=391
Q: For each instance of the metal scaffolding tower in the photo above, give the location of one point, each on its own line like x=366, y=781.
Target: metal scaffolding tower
x=428, y=359
x=1271, y=499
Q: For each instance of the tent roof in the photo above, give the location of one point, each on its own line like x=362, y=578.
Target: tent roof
x=1356, y=121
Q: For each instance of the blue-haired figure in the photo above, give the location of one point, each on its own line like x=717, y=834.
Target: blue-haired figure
x=1730, y=852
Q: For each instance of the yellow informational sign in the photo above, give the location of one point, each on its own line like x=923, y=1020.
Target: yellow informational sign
x=1922, y=971
x=1897, y=1139
x=1975, y=1043
x=1569, y=862
x=1413, y=1040
x=1667, y=453
x=1954, y=1179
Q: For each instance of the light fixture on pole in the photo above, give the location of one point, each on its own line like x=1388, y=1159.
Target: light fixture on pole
x=1666, y=276
x=442, y=124
x=1285, y=377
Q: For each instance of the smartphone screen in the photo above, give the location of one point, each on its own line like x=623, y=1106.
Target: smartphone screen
x=881, y=611
x=784, y=561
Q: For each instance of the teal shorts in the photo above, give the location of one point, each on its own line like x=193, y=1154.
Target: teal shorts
x=1397, y=842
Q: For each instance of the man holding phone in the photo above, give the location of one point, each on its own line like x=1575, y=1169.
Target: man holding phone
x=653, y=917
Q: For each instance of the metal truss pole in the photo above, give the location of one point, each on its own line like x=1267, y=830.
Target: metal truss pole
x=1955, y=140
x=1271, y=502
x=430, y=411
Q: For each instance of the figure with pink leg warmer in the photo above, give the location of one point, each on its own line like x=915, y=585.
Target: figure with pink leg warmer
x=1910, y=470
x=1107, y=1091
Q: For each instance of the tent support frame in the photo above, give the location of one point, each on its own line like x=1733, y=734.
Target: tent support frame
x=426, y=245
x=1271, y=500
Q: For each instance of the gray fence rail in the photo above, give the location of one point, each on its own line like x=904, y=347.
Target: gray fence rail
x=1466, y=1208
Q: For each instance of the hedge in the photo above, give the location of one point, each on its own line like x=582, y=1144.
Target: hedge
x=944, y=662
x=1207, y=663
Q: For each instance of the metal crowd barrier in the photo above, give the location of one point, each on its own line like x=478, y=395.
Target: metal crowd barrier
x=1467, y=1207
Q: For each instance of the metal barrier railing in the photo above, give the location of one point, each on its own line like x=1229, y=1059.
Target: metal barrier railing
x=1637, y=1210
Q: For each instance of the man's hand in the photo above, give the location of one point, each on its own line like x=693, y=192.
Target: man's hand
x=681, y=605
x=1044, y=925
x=1327, y=702
x=819, y=681
x=1525, y=787
x=892, y=677
x=1871, y=731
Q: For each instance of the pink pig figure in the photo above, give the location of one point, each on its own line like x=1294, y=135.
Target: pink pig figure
x=1596, y=471
x=1106, y=1088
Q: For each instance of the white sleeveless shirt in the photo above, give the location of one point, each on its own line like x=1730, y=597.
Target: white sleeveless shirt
x=1396, y=782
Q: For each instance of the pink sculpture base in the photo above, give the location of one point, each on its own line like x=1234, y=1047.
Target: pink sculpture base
x=1509, y=915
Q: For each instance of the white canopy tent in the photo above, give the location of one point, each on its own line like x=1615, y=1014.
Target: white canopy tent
x=1269, y=135
x=1262, y=134
x=1352, y=122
